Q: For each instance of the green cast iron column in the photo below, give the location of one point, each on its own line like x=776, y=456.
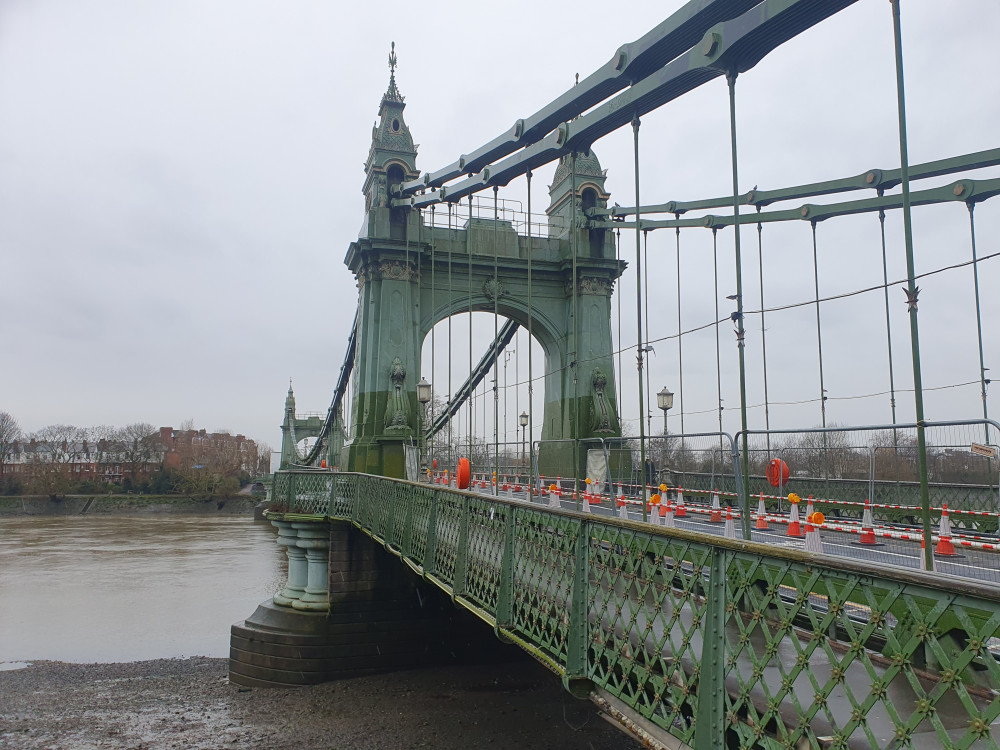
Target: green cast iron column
x=739, y=306
x=638, y=304
x=979, y=319
x=531, y=385
x=911, y=289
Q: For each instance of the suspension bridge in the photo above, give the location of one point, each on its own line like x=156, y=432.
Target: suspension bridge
x=812, y=586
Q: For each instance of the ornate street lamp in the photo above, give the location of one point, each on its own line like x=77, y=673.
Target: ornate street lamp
x=665, y=400
x=523, y=420
x=424, y=390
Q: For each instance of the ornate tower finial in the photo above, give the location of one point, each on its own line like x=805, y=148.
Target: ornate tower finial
x=392, y=93
x=577, y=80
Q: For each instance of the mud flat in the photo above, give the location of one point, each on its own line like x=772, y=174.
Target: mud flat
x=189, y=703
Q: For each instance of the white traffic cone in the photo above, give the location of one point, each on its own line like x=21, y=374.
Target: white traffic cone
x=668, y=515
x=814, y=543
x=554, y=498
x=729, y=530
x=654, y=511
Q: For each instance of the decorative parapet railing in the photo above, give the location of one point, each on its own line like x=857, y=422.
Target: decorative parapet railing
x=718, y=642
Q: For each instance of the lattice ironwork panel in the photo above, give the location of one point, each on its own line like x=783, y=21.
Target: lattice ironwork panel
x=835, y=659
x=647, y=610
x=386, y=502
x=544, y=568
x=280, y=491
x=487, y=523
x=364, y=508
x=450, y=507
x=345, y=489
x=312, y=493
x=423, y=503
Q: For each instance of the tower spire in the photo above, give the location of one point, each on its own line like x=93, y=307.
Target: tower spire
x=392, y=93
x=392, y=158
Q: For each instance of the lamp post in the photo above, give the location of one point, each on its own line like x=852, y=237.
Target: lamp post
x=665, y=400
x=423, y=396
x=523, y=421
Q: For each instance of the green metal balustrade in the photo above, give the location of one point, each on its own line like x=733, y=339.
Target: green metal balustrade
x=720, y=643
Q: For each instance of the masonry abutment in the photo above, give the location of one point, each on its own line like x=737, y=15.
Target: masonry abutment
x=366, y=614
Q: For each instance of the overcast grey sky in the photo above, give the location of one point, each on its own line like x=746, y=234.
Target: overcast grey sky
x=179, y=183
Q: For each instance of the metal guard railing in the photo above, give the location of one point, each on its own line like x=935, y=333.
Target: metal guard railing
x=718, y=642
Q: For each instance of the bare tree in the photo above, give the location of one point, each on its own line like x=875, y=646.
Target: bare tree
x=10, y=433
x=137, y=446
x=56, y=448
x=263, y=458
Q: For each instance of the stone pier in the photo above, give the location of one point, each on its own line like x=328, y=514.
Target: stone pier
x=348, y=609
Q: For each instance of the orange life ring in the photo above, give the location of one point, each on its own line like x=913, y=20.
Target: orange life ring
x=463, y=473
x=777, y=473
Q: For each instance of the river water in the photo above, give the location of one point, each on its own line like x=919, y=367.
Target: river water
x=130, y=588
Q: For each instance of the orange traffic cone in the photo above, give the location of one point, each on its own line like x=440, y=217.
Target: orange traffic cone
x=945, y=547
x=716, y=515
x=761, y=514
x=681, y=513
x=868, y=528
x=622, y=508
x=794, y=529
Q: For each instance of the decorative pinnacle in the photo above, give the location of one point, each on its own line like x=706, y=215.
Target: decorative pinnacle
x=392, y=93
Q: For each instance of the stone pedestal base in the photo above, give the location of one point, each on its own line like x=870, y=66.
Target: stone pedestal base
x=381, y=618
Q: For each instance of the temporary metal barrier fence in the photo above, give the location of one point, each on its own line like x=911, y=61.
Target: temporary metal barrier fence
x=880, y=463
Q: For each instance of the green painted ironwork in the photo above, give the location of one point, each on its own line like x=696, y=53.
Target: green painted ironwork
x=872, y=179
x=720, y=643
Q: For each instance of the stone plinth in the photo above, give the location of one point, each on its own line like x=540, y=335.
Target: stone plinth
x=356, y=611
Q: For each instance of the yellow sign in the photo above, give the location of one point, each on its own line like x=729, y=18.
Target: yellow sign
x=984, y=450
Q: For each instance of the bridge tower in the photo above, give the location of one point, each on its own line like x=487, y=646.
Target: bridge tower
x=294, y=429
x=387, y=365
x=393, y=260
